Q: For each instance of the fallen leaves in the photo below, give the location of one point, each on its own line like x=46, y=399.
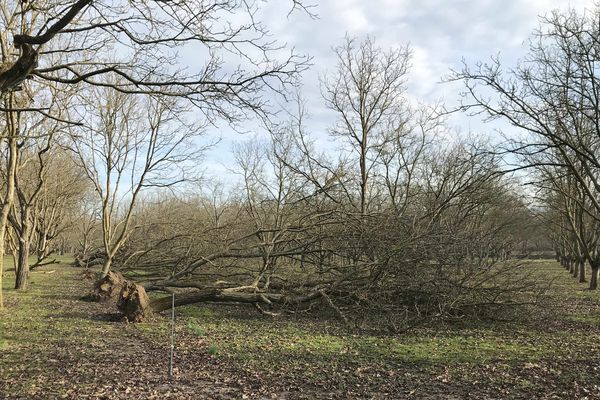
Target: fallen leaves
x=57, y=346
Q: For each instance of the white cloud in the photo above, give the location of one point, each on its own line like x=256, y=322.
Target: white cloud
x=441, y=33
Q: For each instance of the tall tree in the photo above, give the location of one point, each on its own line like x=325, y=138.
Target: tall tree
x=130, y=144
x=367, y=94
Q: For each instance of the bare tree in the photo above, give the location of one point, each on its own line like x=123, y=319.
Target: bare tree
x=58, y=207
x=552, y=96
x=134, y=143
x=30, y=177
x=367, y=93
x=83, y=43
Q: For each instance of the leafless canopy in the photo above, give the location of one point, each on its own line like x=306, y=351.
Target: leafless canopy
x=213, y=52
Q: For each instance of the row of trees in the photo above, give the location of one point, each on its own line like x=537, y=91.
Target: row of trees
x=553, y=97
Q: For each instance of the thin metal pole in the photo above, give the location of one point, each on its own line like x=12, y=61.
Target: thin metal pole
x=172, y=335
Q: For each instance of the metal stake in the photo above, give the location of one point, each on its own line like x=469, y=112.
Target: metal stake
x=172, y=335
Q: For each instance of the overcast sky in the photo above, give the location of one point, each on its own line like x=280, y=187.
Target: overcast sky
x=440, y=33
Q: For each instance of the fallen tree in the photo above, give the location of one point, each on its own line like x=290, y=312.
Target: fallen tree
x=233, y=296
x=132, y=301
x=388, y=269
x=417, y=232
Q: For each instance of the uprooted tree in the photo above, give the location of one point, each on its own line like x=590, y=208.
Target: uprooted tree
x=289, y=251
x=419, y=230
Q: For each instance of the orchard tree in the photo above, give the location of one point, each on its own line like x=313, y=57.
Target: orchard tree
x=59, y=205
x=131, y=144
x=367, y=94
x=553, y=96
x=91, y=42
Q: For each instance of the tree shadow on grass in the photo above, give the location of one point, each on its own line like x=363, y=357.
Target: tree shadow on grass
x=82, y=315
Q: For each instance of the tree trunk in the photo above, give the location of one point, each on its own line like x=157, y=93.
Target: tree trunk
x=42, y=248
x=576, y=268
x=594, y=278
x=8, y=200
x=582, y=271
x=223, y=295
x=22, y=268
x=571, y=266
x=106, y=266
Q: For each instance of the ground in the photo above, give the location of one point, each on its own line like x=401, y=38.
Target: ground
x=53, y=345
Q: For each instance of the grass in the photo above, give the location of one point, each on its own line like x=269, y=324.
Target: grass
x=194, y=328
x=253, y=339
x=213, y=350
x=554, y=337
x=235, y=350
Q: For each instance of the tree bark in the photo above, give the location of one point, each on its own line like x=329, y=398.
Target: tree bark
x=106, y=265
x=571, y=266
x=582, y=271
x=8, y=201
x=224, y=295
x=594, y=278
x=22, y=268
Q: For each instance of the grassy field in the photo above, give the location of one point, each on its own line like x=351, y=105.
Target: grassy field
x=55, y=345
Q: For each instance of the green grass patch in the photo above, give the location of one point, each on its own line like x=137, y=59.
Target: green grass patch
x=213, y=350
x=200, y=312
x=259, y=338
x=195, y=328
